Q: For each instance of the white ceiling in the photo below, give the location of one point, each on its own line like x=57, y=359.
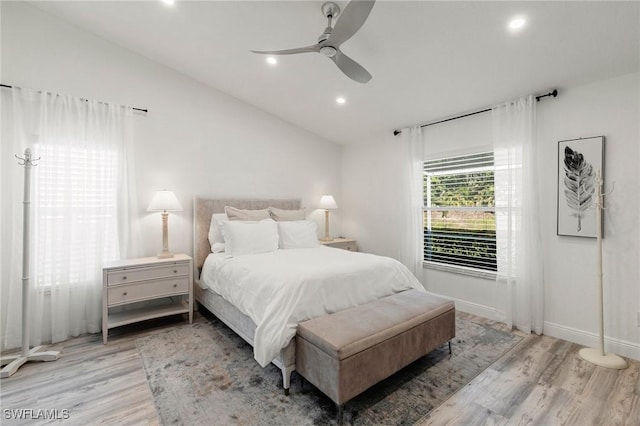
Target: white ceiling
x=428, y=59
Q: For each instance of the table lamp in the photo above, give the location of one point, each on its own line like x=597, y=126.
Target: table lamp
x=164, y=201
x=327, y=203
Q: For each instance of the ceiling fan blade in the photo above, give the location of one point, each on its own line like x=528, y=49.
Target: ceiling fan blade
x=351, y=68
x=314, y=48
x=351, y=19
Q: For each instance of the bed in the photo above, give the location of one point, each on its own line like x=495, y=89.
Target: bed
x=374, y=277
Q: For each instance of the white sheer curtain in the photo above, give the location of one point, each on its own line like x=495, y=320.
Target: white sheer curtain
x=519, y=297
x=412, y=244
x=82, y=210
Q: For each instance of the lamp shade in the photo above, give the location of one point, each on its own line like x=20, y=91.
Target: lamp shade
x=164, y=201
x=327, y=202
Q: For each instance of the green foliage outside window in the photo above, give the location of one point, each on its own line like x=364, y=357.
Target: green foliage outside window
x=458, y=236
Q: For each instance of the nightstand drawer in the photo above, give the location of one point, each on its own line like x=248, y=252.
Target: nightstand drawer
x=128, y=293
x=124, y=276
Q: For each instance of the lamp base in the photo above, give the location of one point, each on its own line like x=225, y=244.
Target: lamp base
x=608, y=360
x=165, y=253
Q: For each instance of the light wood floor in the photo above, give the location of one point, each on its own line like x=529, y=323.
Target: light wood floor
x=541, y=381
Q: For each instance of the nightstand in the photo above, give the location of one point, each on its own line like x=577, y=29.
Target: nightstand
x=129, y=281
x=342, y=243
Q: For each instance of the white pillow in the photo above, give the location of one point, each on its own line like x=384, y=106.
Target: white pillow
x=217, y=247
x=298, y=234
x=216, y=240
x=248, y=237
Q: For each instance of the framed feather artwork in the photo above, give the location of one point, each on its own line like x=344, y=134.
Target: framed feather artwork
x=578, y=162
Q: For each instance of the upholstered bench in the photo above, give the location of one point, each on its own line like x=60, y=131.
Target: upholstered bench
x=346, y=352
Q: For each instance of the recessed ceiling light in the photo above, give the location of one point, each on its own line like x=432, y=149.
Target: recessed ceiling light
x=271, y=60
x=517, y=23
x=340, y=100
x=169, y=2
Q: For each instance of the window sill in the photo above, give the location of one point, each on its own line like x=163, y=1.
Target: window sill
x=462, y=270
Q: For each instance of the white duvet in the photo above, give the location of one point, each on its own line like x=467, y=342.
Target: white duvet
x=279, y=289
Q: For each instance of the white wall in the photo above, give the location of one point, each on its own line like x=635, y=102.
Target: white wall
x=195, y=140
x=610, y=108
x=371, y=177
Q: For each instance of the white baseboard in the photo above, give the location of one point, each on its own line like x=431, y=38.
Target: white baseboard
x=581, y=337
x=475, y=309
x=591, y=340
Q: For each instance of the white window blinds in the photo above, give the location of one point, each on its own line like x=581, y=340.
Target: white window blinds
x=459, y=211
x=76, y=211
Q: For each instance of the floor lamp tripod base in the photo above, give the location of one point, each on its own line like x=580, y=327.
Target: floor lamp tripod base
x=13, y=362
x=603, y=359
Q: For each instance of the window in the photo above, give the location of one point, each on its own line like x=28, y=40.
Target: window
x=459, y=213
x=75, y=216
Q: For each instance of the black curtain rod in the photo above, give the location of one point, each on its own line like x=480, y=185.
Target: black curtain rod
x=136, y=109
x=553, y=93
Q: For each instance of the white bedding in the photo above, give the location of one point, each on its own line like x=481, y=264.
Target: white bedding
x=279, y=289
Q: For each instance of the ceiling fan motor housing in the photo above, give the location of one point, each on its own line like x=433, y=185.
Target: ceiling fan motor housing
x=328, y=51
x=330, y=10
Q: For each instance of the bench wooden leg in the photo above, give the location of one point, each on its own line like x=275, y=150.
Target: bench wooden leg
x=286, y=379
x=340, y=410
x=449, y=347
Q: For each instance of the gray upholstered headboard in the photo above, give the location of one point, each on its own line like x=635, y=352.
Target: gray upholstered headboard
x=204, y=208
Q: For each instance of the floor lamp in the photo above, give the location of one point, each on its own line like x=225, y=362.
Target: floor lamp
x=13, y=362
x=597, y=355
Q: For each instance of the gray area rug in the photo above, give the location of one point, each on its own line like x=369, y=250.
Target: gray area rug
x=204, y=374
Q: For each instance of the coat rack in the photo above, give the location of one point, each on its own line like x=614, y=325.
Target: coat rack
x=597, y=355
x=13, y=362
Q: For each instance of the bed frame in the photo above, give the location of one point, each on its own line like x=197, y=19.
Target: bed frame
x=226, y=312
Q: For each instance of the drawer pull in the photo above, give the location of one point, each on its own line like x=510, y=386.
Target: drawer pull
x=124, y=278
x=124, y=294
x=175, y=285
x=175, y=271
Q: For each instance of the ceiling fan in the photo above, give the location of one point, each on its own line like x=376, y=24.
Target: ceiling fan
x=353, y=17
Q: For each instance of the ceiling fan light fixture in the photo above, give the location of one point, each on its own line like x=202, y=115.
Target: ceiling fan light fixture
x=351, y=20
x=328, y=51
